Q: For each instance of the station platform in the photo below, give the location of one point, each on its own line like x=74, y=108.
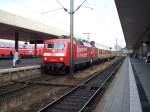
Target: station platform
x=122, y=94
x=6, y=64
x=11, y=70
x=142, y=75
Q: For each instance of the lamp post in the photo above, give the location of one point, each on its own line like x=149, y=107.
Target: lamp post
x=116, y=48
x=72, y=11
x=110, y=50
x=71, y=35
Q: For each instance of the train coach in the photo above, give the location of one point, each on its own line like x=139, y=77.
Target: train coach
x=56, y=54
x=7, y=50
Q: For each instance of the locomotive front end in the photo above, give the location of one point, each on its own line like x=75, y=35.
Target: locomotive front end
x=54, y=56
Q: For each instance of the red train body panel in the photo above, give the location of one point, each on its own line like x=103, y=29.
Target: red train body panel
x=56, y=54
x=7, y=49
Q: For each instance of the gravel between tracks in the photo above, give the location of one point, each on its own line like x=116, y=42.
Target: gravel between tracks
x=38, y=96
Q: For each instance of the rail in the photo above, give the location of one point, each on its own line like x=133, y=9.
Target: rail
x=79, y=97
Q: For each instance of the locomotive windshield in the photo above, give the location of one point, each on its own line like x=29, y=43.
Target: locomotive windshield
x=56, y=45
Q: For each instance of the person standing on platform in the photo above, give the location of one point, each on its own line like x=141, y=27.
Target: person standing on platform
x=15, y=58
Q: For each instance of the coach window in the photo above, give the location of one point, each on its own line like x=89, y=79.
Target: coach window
x=58, y=45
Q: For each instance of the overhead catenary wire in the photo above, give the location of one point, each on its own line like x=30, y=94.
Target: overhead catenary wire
x=88, y=7
x=98, y=16
x=62, y=7
x=65, y=9
x=51, y=11
x=95, y=13
x=75, y=9
x=60, y=4
x=80, y=6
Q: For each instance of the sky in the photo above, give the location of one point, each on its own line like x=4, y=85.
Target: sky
x=99, y=22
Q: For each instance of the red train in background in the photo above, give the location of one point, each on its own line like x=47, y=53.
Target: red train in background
x=25, y=50
x=56, y=54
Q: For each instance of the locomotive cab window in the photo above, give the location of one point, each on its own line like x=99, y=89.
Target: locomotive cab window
x=54, y=45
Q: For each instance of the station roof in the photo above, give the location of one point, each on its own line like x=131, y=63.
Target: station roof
x=135, y=20
x=27, y=29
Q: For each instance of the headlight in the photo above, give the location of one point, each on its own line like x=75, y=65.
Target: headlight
x=61, y=59
x=45, y=58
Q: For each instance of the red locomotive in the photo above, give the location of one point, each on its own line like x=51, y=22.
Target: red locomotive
x=56, y=54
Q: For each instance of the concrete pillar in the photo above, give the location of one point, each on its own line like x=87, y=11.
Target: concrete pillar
x=35, y=49
x=146, y=48
x=141, y=51
x=16, y=40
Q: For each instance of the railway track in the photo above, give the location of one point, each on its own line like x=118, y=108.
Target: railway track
x=15, y=86
x=7, y=91
x=79, y=97
x=19, y=85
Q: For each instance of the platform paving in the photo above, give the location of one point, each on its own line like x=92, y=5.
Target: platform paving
x=142, y=73
x=10, y=70
x=122, y=94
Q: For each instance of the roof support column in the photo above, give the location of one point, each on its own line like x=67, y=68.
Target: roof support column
x=16, y=40
x=140, y=51
x=146, y=48
x=35, y=48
